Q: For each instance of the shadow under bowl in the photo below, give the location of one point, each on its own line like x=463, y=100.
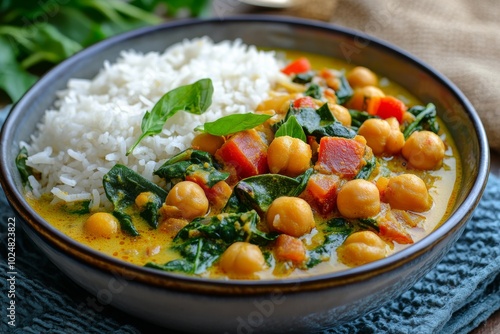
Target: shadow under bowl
x=203, y=305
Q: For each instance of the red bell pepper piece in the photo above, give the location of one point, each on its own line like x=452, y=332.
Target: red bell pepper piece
x=304, y=102
x=321, y=192
x=299, y=65
x=340, y=156
x=244, y=154
x=386, y=107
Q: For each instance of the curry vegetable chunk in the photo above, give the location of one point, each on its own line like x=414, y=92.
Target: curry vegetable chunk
x=337, y=168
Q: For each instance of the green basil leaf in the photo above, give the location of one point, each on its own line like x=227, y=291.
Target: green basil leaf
x=234, y=123
x=291, y=128
x=194, y=99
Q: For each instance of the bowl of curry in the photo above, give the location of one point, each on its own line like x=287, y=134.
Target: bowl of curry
x=341, y=185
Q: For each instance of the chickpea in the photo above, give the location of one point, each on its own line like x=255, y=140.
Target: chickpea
x=362, y=95
x=207, y=142
x=189, y=198
x=361, y=248
x=279, y=103
x=288, y=156
x=358, y=199
x=242, y=259
x=361, y=76
x=341, y=114
x=290, y=215
x=383, y=136
x=101, y=224
x=424, y=150
x=407, y=192
x=143, y=199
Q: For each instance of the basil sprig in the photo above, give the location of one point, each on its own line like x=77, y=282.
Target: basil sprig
x=233, y=123
x=194, y=99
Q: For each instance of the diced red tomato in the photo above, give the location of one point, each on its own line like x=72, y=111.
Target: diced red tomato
x=288, y=248
x=340, y=156
x=386, y=107
x=245, y=154
x=321, y=192
x=299, y=65
x=304, y=102
x=217, y=195
x=391, y=229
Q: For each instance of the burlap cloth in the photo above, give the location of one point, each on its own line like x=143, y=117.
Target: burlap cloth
x=460, y=38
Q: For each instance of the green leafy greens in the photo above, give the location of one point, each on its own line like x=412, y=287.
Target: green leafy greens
x=192, y=162
x=194, y=98
x=34, y=35
x=201, y=242
x=122, y=185
x=233, y=123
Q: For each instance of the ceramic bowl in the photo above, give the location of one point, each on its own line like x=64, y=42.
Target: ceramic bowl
x=202, y=305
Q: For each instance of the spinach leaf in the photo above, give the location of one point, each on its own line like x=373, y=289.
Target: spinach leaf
x=337, y=230
x=345, y=91
x=314, y=91
x=192, y=162
x=358, y=118
x=233, y=123
x=194, y=98
x=14, y=80
x=367, y=169
x=425, y=119
x=320, y=122
x=303, y=78
x=202, y=242
x=122, y=185
x=258, y=192
x=24, y=170
x=291, y=128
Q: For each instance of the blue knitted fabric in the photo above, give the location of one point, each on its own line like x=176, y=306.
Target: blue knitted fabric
x=455, y=297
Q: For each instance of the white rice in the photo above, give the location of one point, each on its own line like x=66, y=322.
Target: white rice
x=95, y=121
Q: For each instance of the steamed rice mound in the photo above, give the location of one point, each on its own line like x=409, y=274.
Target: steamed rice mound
x=95, y=121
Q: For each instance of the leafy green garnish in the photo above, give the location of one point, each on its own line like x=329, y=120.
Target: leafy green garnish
x=336, y=231
x=425, y=119
x=77, y=208
x=25, y=171
x=313, y=91
x=367, y=169
x=358, y=118
x=345, y=91
x=303, y=78
x=233, y=123
x=122, y=185
x=320, y=122
x=34, y=35
x=194, y=99
x=201, y=242
x=192, y=162
x=258, y=192
x=291, y=128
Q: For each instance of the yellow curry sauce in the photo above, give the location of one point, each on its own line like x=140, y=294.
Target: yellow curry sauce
x=153, y=245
